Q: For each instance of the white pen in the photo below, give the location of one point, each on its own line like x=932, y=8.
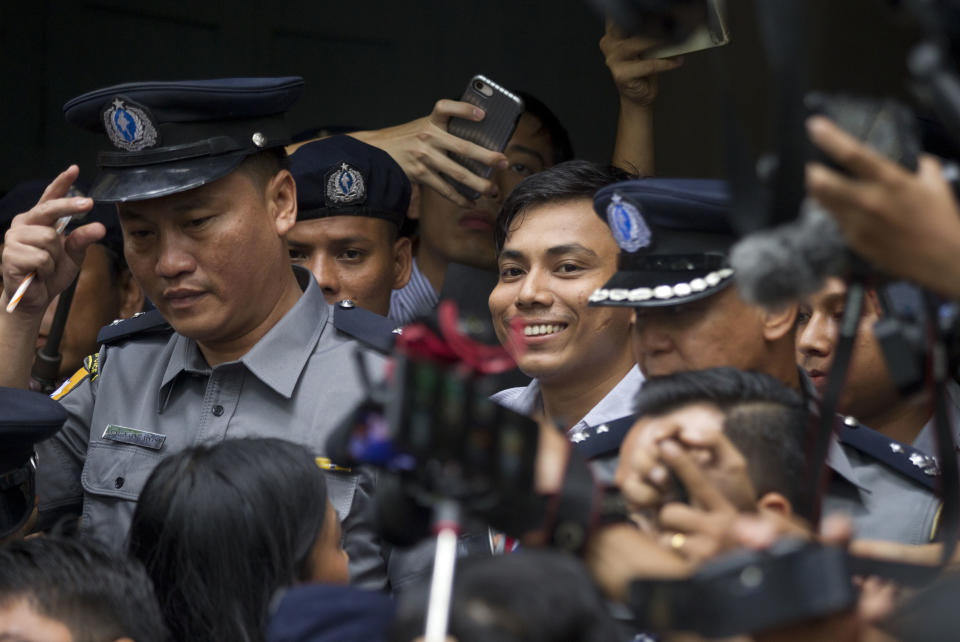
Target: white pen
x=61, y=226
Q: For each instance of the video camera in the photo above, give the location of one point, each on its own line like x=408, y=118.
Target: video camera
x=433, y=427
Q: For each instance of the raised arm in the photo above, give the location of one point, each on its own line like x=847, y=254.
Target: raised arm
x=32, y=245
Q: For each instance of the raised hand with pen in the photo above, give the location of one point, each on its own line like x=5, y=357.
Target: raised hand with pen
x=34, y=249
x=35, y=246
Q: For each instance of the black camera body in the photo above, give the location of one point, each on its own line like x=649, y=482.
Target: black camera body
x=748, y=591
x=436, y=435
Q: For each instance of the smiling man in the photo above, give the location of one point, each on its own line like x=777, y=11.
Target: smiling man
x=552, y=253
x=352, y=201
x=241, y=345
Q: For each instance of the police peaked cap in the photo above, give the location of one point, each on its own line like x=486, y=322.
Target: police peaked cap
x=169, y=137
x=674, y=237
x=342, y=176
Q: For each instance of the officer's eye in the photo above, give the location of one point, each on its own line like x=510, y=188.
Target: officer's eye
x=139, y=234
x=803, y=316
x=352, y=255
x=510, y=272
x=569, y=268
x=199, y=222
x=297, y=254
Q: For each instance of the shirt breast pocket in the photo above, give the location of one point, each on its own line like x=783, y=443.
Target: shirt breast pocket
x=117, y=471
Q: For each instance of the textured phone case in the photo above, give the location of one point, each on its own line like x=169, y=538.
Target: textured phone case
x=503, y=110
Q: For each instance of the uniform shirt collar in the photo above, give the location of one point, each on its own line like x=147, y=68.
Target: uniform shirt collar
x=616, y=404
x=294, y=336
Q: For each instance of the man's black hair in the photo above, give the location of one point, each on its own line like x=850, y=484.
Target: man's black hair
x=97, y=595
x=533, y=596
x=765, y=420
x=561, y=148
x=567, y=181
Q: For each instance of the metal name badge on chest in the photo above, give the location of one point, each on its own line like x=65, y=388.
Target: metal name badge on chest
x=132, y=436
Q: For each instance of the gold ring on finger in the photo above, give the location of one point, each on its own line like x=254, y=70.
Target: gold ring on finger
x=677, y=540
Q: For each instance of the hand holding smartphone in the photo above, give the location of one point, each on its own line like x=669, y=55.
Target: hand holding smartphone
x=502, y=108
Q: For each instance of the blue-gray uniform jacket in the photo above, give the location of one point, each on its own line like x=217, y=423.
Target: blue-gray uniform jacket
x=149, y=393
x=887, y=488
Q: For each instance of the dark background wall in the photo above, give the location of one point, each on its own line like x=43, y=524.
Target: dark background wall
x=378, y=62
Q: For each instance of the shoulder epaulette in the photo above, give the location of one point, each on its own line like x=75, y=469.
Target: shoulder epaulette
x=906, y=460
x=368, y=327
x=142, y=323
x=596, y=441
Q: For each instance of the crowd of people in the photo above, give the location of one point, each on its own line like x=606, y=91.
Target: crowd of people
x=236, y=291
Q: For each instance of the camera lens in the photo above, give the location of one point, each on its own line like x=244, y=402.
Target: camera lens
x=478, y=85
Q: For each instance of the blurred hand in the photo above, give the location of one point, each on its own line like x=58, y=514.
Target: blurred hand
x=643, y=475
x=702, y=528
x=906, y=224
x=420, y=147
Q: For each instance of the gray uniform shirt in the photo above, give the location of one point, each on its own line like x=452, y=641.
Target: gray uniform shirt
x=417, y=298
x=296, y=383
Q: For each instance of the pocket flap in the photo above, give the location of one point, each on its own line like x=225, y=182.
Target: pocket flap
x=117, y=470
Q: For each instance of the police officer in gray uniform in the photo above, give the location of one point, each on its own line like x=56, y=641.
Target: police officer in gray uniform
x=241, y=345
x=674, y=236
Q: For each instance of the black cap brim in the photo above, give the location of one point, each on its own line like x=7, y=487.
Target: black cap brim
x=122, y=184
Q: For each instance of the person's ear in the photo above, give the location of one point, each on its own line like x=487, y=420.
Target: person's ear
x=779, y=322
x=873, y=302
x=413, y=211
x=281, y=199
x=775, y=503
x=402, y=261
x=131, y=296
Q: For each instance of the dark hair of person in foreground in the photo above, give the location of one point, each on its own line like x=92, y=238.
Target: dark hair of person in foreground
x=220, y=528
x=531, y=595
x=95, y=594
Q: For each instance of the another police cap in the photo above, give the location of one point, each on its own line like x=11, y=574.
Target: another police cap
x=27, y=418
x=342, y=176
x=674, y=237
x=170, y=137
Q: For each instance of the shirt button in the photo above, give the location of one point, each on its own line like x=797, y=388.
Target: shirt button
x=118, y=482
x=217, y=410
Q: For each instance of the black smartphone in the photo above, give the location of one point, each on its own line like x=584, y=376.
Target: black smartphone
x=503, y=109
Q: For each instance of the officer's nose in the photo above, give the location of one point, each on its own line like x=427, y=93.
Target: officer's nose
x=817, y=336
x=534, y=290
x=174, y=258
x=652, y=334
x=325, y=272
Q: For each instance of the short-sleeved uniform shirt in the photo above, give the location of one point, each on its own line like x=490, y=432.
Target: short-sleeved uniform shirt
x=296, y=383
